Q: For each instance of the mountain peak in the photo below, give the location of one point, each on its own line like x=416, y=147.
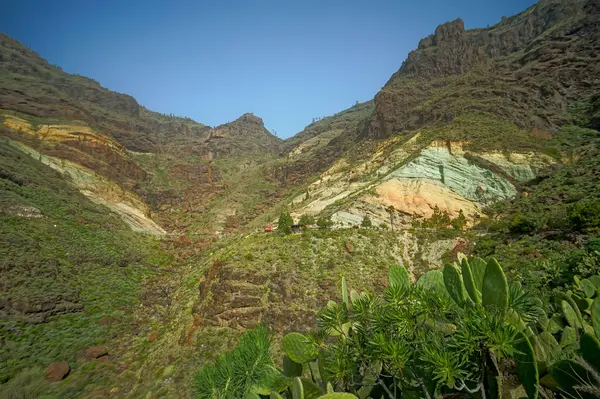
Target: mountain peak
x=250, y=118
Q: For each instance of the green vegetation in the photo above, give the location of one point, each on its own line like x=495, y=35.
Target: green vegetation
x=454, y=332
x=441, y=220
x=547, y=236
x=324, y=222
x=366, y=222
x=284, y=225
x=73, y=275
x=307, y=220
x=65, y=263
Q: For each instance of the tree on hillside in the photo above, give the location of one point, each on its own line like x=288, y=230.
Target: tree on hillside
x=325, y=222
x=366, y=222
x=285, y=223
x=459, y=222
x=306, y=220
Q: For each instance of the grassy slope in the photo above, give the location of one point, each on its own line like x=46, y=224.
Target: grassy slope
x=77, y=259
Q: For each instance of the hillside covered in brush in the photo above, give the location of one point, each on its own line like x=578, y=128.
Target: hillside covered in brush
x=136, y=247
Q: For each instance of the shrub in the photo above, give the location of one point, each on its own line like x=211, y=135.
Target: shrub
x=285, y=223
x=440, y=219
x=306, y=220
x=521, y=224
x=459, y=222
x=366, y=222
x=585, y=214
x=325, y=222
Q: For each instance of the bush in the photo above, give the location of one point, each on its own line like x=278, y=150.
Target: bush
x=440, y=219
x=593, y=245
x=306, y=220
x=285, y=223
x=325, y=222
x=521, y=224
x=366, y=222
x=459, y=222
x=585, y=214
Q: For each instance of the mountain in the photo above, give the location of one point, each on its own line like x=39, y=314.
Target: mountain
x=527, y=69
x=466, y=103
x=100, y=133
x=142, y=233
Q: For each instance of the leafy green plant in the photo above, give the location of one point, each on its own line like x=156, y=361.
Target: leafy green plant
x=284, y=225
x=412, y=339
x=585, y=214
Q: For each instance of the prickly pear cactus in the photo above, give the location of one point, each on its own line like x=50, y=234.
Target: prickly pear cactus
x=569, y=374
x=433, y=280
x=310, y=389
x=590, y=350
x=299, y=348
x=568, y=337
x=291, y=368
x=550, y=345
x=570, y=315
x=478, y=267
x=495, y=288
x=527, y=367
x=454, y=284
x=588, y=288
x=596, y=317
x=297, y=389
x=469, y=282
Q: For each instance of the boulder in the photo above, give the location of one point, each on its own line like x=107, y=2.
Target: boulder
x=57, y=371
x=95, y=352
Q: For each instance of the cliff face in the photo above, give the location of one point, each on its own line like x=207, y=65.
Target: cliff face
x=528, y=68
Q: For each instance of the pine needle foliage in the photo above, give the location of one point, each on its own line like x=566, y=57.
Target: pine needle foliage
x=239, y=372
x=422, y=342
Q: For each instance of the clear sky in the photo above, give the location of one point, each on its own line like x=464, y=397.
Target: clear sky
x=285, y=61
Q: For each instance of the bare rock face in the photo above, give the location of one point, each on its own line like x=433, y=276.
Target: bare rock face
x=57, y=371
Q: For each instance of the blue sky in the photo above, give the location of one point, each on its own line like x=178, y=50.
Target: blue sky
x=285, y=61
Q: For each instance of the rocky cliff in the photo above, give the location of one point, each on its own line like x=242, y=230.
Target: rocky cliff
x=528, y=68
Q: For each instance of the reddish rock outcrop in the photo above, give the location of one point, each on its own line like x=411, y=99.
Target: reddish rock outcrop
x=95, y=352
x=57, y=371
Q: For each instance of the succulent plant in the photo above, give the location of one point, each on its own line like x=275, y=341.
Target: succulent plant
x=469, y=281
x=299, y=348
x=495, y=288
x=527, y=367
x=454, y=284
